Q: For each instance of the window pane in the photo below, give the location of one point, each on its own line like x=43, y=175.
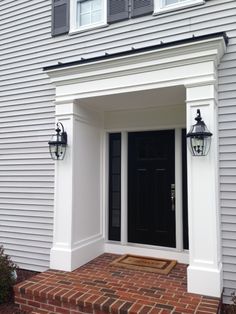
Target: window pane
x=116, y=218
x=89, y=12
x=85, y=19
x=115, y=165
x=168, y=2
x=96, y=17
x=116, y=182
x=115, y=200
x=96, y=5
x=116, y=148
x=85, y=7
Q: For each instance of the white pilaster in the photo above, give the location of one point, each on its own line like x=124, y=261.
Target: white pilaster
x=205, y=268
x=77, y=213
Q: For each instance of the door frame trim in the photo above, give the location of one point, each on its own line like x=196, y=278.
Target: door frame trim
x=124, y=187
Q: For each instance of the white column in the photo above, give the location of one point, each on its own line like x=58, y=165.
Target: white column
x=77, y=209
x=205, y=267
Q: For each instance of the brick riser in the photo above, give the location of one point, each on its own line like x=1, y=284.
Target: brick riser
x=99, y=288
x=40, y=304
x=71, y=303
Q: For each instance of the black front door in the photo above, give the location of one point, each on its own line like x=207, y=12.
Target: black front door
x=151, y=183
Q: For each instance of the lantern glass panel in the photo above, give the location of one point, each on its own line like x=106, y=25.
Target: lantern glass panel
x=61, y=151
x=199, y=146
x=57, y=148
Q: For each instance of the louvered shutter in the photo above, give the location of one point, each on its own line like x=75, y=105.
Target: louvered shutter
x=60, y=17
x=118, y=10
x=141, y=7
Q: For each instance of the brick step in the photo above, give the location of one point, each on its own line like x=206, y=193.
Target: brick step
x=69, y=302
x=100, y=288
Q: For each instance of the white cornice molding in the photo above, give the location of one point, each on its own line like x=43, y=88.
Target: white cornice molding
x=192, y=63
x=208, y=49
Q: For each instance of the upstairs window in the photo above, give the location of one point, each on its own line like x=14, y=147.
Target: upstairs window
x=88, y=14
x=168, y=5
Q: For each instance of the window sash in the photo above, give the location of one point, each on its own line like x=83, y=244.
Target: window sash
x=91, y=14
x=166, y=5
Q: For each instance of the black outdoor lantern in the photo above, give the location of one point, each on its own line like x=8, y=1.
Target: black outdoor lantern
x=58, y=142
x=199, y=137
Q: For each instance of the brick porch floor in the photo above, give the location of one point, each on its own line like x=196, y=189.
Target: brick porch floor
x=99, y=288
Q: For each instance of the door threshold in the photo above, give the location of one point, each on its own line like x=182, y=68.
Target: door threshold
x=146, y=250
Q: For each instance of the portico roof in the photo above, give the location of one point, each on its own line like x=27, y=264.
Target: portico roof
x=134, y=50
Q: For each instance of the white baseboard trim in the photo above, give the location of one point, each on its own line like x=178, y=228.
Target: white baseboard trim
x=65, y=259
x=206, y=281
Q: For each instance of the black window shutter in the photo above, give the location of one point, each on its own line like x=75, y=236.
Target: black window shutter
x=141, y=7
x=60, y=17
x=118, y=10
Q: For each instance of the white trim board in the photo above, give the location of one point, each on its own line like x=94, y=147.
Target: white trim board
x=146, y=250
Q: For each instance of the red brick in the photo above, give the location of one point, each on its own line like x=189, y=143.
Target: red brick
x=47, y=307
x=62, y=311
x=114, y=308
x=20, y=300
x=25, y=307
x=155, y=311
x=54, y=302
x=39, y=299
x=135, y=308
x=145, y=309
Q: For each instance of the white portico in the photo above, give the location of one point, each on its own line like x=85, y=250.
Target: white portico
x=105, y=95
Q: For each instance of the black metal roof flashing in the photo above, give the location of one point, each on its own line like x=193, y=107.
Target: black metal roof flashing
x=107, y=56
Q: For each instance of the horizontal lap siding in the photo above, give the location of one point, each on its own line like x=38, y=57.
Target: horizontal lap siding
x=27, y=113
x=26, y=123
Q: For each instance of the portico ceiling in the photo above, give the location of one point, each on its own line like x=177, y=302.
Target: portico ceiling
x=169, y=96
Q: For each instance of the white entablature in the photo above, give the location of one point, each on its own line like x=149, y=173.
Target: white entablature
x=183, y=64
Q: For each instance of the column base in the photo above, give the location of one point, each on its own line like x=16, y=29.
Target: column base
x=63, y=258
x=205, y=281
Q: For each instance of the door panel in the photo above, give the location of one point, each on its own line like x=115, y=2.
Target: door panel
x=151, y=171
x=142, y=199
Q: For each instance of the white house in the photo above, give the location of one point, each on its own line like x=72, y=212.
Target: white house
x=125, y=78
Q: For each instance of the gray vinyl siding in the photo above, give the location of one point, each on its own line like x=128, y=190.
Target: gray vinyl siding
x=27, y=113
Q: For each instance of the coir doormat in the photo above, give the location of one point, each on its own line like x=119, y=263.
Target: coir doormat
x=149, y=264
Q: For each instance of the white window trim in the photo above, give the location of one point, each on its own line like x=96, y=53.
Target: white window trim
x=160, y=7
x=73, y=19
